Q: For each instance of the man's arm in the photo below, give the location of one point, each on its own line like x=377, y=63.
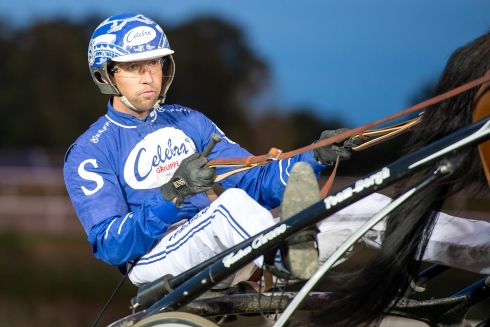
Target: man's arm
x=117, y=234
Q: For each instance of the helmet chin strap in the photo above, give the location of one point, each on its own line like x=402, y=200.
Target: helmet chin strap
x=159, y=102
x=127, y=103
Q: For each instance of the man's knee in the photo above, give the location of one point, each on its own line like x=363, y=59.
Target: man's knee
x=234, y=193
x=237, y=199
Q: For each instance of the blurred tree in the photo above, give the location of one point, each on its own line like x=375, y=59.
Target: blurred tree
x=217, y=74
x=48, y=98
x=288, y=132
x=385, y=153
x=367, y=161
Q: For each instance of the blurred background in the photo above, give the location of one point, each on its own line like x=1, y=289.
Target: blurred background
x=268, y=73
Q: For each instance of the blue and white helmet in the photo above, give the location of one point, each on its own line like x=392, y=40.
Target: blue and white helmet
x=124, y=38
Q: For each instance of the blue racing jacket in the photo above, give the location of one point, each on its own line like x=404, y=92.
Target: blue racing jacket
x=113, y=173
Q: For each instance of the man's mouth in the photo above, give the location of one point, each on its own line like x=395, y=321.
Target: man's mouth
x=148, y=93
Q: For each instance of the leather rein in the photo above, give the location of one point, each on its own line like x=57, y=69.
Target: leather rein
x=363, y=132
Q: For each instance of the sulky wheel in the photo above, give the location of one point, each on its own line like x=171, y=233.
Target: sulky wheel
x=175, y=319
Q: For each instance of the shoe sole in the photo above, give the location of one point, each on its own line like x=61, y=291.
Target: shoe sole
x=301, y=192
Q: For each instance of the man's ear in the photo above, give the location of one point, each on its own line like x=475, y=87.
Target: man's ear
x=113, y=80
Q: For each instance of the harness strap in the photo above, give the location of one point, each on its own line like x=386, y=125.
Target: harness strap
x=244, y=164
x=384, y=134
x=328, y=184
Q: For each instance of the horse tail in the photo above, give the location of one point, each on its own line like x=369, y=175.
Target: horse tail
x=378, y=287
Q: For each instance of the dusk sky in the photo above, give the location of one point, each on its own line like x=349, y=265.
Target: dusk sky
x=361, y=59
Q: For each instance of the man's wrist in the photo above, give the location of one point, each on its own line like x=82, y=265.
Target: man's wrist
x=166, y=210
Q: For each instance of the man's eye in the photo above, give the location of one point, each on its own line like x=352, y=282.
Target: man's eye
x=153, y=63
x=132, y=67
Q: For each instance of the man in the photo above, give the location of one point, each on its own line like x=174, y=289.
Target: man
x=139, y=169
x=137, y=176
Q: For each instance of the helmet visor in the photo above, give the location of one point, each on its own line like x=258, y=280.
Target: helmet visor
x=137, y=68
x=157, y=53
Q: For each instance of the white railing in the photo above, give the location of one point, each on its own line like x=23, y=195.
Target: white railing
x=34, y=199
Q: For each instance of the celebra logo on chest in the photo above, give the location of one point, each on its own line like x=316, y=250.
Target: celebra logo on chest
x=153, y=160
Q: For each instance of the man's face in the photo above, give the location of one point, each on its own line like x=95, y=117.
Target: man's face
x=140, y=82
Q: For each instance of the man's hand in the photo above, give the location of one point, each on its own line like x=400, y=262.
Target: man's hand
x=189, y=179
x=327, y=155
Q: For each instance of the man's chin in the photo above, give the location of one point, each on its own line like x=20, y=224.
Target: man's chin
x=147, y=106
x=140, y=109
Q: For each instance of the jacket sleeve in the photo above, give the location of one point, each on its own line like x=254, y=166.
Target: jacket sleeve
x=116, y=233
x=266, y=183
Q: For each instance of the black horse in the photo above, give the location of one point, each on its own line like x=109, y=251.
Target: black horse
x=376, y=288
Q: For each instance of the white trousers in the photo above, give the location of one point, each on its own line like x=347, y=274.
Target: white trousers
x=229, y=220
x=234, y=217
x=455, y=242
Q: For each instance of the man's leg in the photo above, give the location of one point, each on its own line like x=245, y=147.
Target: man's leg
x=229, y=220
x=456, y=242
x=460, y=243
x=337, y=228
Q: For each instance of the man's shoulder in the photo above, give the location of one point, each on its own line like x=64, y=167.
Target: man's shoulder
x=94, y=134
x=175, y=114
x=92, y=138
x=176, y=110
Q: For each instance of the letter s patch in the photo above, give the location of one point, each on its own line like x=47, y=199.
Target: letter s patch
x=90, y=176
